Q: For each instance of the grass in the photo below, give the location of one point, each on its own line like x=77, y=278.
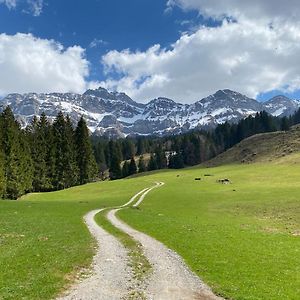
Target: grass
x=243, y=239
x=43, y=240
x=139, y=264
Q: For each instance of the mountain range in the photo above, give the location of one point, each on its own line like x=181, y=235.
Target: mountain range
x=115, y=114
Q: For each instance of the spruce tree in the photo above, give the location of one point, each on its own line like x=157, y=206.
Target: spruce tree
x=152, y=163
x=125, y=169
x=71, y=167
x=132, y=167
x=2, y=175
x=161, y=159
x=176, y=161
x=85, y=156
x=2, y=162
x=142, y=167
x=45, y=134
x=66, y=170
x=115, y=171
x=18, y=164
x=115, y=155
x=38, y=146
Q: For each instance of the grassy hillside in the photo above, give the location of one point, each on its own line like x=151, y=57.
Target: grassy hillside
x=261, y=148
x=43, y=240
x=243, y=239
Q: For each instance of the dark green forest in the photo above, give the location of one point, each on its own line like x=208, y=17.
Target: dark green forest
x=49, y=156
x=43, y=157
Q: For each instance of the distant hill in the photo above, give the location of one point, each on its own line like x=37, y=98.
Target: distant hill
x=261, y=148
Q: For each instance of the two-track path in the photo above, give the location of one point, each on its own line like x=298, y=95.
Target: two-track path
x=111, y=279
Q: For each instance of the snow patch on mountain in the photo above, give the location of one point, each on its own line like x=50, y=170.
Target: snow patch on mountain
x=115, y=114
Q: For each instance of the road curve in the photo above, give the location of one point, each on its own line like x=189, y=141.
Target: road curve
x=111, y=275
x=171, y=278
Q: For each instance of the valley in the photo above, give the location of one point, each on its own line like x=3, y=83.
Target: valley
x=241, y=239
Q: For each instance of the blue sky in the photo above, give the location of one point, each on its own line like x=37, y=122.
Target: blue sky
x=193, y=58
x=111, y=24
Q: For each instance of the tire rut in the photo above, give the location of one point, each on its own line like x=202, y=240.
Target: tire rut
x=111, y=277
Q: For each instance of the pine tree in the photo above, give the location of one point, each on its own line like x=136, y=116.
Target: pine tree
x=142, y=167
x=284, y=124
x=176, y=161
x=45, y=134
x=18, y=164
x=2, y=175
x=2, y=162
x=140, y=146
x=132, y=167
x=161, y=159
x=71, y=167
x=152, y=163
x=66, y=170
x=115, y=171
x=125, y=169
x=38, y=146
x=85, y=157
x=128, y=149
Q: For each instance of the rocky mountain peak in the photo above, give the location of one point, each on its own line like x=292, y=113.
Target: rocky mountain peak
x=115, y=114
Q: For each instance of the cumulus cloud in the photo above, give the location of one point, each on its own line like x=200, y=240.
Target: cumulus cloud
x=250, y=55
x=29, y=64
x=254, y=9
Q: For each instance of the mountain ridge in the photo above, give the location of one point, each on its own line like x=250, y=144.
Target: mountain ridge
x=115, y=114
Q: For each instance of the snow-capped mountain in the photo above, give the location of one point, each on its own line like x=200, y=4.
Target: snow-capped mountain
x=281, y=106
x=117, y=115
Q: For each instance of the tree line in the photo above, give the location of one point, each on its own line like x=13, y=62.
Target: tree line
x=49, y=156
x=181, y=150
x=45, y=156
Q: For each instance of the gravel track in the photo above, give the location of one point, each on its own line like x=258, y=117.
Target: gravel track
x=111, y=277
x=171, y=278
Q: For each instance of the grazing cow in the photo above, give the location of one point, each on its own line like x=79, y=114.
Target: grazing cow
x=224, y=181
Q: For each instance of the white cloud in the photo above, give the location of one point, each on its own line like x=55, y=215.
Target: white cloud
x=97, y=42
x=254, y=9
x=34, y=7
x=250, y=55
x=9, y=3
x=29, y=64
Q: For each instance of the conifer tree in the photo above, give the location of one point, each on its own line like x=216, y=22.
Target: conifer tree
x=125, y=169
x=142, y=167
x=85, y=157
x=18, y=164
x=115, y=171
x=38, y=146
x=71, y=167
x=132, y=167
x=176, y=161
x=66, y=171
x=152, y=163
x=45, y=134
x=161, y=159
x=2, y=175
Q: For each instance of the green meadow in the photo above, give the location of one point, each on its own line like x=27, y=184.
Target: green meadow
x=44, y=241
x=242, y=239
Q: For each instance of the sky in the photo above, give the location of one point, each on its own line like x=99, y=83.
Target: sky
x=181, y=49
